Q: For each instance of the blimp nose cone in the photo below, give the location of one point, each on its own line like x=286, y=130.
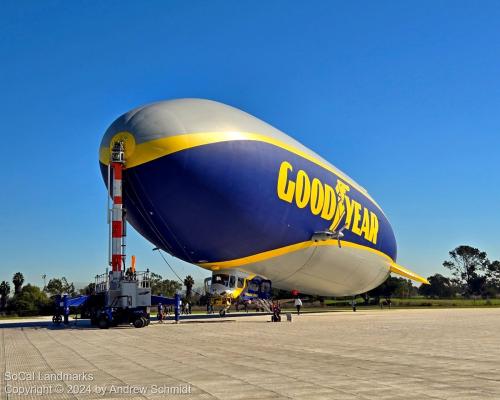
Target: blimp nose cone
x=158, y=129
x=128, y=141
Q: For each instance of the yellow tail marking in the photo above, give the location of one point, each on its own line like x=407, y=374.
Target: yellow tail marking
x=399, y=270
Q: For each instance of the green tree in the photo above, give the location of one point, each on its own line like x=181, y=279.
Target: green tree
x=4, y=293
x=466, y=264
x=189, y=282
x=493, y=275
x=88, y=290
x=31, y=301
x=18, y=280
x=60, y=286
x=164, y=287
x=440, y=286
x=155, y=280
x=54, y=287
x=405, y=288
x=389, y=288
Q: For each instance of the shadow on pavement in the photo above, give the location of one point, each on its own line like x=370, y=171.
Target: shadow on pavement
x=85, y=323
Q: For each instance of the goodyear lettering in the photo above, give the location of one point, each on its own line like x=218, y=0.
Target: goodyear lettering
x=330, y=203
x=317, y=196
x=302, y=189
x=326, y=202
x=286, y=188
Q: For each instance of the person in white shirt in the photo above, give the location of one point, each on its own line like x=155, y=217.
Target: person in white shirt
x=298, y=304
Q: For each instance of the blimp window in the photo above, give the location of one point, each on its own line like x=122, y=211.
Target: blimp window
x=220, y=279
x=232, y=281
x=241, y=282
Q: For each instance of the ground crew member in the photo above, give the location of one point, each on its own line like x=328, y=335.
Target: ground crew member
x=298, y=304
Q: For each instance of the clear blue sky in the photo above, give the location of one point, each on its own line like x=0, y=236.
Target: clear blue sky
x=402, y=96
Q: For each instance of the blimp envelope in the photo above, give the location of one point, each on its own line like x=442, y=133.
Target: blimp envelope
x=217, y=187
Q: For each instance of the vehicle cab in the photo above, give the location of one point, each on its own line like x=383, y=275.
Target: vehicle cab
x=227, y=283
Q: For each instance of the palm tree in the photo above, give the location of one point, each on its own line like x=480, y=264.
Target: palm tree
x=18, y=280
x=4, y=292
x=188, y=282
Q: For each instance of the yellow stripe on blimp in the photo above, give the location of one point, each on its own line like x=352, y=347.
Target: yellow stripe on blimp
x=395, y=268
x=285, y=250
x=149, y=151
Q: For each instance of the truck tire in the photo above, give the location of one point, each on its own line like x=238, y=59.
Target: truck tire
x=139, y=323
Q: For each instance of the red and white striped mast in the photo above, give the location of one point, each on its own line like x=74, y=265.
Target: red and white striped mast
x=117, y=231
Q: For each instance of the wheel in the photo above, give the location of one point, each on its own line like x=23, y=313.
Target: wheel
x=103, y=322
x=222, y=312
x=57, y=319
x=139, y=323
x=145, y=321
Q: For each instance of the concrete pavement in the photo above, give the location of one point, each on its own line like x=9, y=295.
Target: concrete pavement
x=379, y=354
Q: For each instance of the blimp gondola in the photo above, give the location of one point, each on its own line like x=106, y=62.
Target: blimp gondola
x=219, y=188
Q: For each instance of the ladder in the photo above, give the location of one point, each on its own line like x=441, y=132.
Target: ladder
x=265, y=304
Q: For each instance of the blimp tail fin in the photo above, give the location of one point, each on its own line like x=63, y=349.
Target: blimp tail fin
x=398, y=269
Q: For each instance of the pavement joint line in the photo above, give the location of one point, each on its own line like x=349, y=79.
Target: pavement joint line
x=180, y=362
x=86, y=359
x=148, y=368
x=96, y=366
x=295, y=377
x=4, y=365
x=378, y=362
x=415, y=354
x=43, y=358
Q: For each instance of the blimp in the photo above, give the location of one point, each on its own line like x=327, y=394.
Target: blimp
x=219, y=188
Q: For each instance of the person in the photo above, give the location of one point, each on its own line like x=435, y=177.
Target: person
x=276, y=312
x=353, y=305
x=160, y=313
x=298, y=304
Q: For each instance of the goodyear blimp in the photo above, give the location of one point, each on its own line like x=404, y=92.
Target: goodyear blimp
x=219, y=188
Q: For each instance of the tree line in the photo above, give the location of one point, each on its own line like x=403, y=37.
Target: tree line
x=29, y=300
x=472, y=274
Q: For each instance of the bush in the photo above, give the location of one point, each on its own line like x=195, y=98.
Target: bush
x=30, y=301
